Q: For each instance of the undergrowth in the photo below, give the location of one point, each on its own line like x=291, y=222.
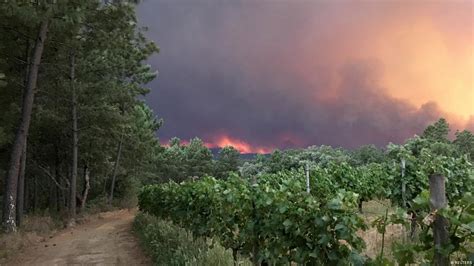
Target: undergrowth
x=169, y=244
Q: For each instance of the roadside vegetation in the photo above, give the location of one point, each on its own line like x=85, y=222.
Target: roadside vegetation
x=169, y=244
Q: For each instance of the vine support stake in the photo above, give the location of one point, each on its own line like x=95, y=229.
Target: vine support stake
x=440, y=225
x=402, y=164
x=383, y=232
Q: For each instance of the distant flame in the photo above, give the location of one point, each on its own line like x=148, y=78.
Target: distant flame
x=224, y=141
x=240, y=145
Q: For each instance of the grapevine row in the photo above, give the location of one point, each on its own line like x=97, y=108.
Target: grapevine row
x=273, y=221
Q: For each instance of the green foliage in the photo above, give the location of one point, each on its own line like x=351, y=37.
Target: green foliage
x=169, y=244
x=294, y=159
x=198, y=158
x=367, y=154
x=422, y=159
x=227, y=161
x=274, y=219
x=460, y=216
x=369, y=181
x=173, y=167
x=465, y=143
x=254, y=168
x=272, y=215
x=110, y=53
x=179, y=162
x=437, y=132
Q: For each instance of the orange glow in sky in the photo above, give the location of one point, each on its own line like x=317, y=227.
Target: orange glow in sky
x=423, y=52
x=298, y=73
x=240, y=145
x=420, y=66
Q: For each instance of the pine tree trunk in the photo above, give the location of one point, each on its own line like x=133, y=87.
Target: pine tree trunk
x=9, y=200
x=57, y=178
x=21, y=178
x=87, y=186
x=52, y=196
x=26, y=205
x=35, y=193
x=21, y=187
x=114, y=175
x=73, y=181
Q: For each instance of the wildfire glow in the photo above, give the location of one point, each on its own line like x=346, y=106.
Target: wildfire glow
x=435, y=67
x=224, y=141
x=421, y=57
x=240, y=145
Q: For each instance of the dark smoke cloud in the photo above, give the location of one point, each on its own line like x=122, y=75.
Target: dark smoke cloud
x=240, y=69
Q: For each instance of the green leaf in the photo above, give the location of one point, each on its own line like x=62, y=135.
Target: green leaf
x=340, y=226
x=469, y=226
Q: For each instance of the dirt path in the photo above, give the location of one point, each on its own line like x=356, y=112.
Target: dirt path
x=105, y=241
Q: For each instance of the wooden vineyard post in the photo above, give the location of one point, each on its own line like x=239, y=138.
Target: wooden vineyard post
x=402, y=164
x=440, y=225
x=384, y=231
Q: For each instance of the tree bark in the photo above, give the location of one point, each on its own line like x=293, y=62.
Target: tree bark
x=52, y=196
x=87, y=186
x=21, y=187
x=35, y=193
x=73, y=181
x=57, y=178
x=9, y=200
x=21, y=177
x=26, y=205
x=114, y=175
x=58, y=197
x=440, y=225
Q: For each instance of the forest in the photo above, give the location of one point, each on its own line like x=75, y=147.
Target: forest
x=77, y=137
x=75, y=130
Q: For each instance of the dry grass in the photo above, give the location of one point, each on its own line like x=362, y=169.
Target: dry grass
x=38, y=228
x=394, y=233
x=373, y=239
x=35, y=229
x=11, y=243
x=39, y=224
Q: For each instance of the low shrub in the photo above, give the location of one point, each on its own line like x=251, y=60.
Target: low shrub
x=169, y=244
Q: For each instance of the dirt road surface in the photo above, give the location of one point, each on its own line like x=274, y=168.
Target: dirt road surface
x=105, y=241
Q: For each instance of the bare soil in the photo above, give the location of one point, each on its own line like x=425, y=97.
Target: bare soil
x=105, y=241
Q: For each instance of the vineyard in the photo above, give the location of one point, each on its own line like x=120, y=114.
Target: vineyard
x=86, y=131
x=310, y=215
